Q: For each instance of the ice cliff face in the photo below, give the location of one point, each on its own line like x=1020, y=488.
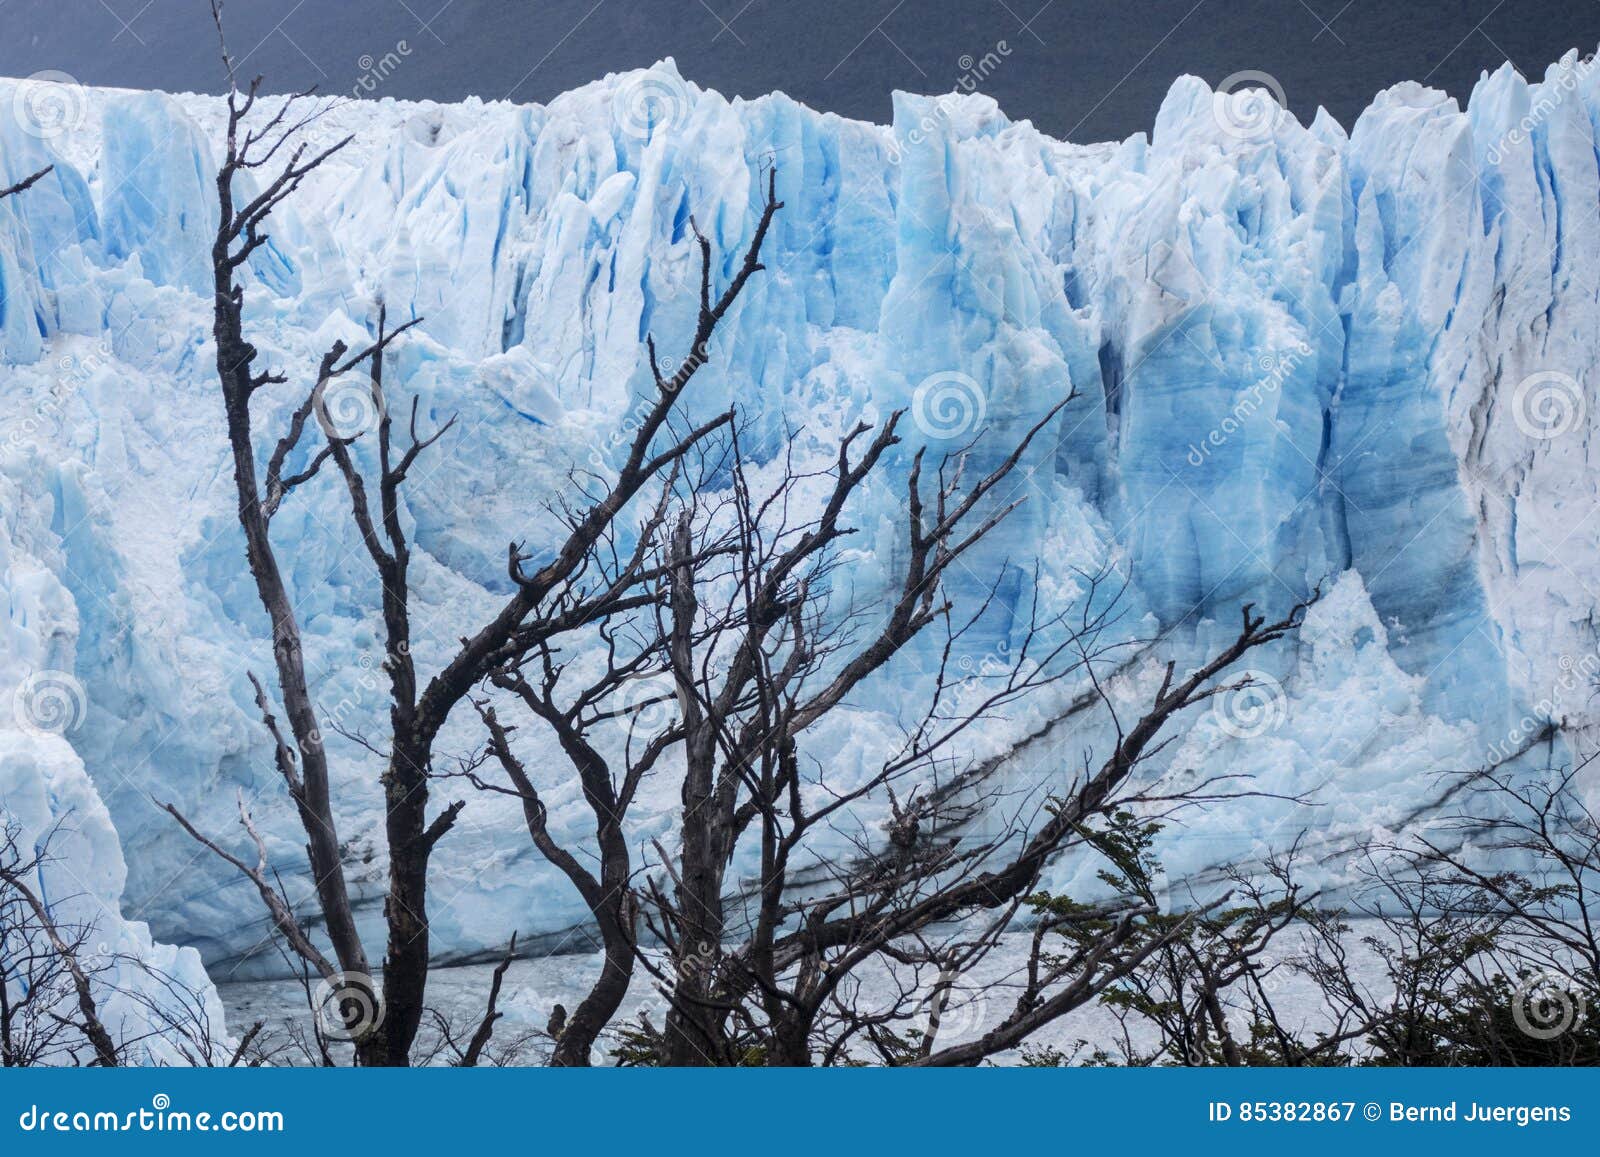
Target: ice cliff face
x=52, y=812
x=1298, y=357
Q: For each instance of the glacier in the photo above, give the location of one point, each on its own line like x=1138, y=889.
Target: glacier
x=1299, y=358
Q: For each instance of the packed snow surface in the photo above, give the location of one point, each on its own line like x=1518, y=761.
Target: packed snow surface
x=1297, y=357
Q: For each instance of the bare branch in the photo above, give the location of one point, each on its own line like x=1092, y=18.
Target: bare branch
x=480, y=1038
x=26, y=183
x=282, y=916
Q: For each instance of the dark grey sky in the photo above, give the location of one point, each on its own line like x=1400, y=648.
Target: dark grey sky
x=1090, y=71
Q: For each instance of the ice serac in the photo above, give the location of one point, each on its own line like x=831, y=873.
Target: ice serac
x=1287, y=356
x=153, y=998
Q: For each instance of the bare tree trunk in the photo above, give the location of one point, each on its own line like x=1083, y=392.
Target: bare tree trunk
x=547, y=603
x=620, y=582
x=693, y=1030
x=405, y=964
x=608, y=897
x=614, y=916
x=574, y=1048
x=310, y=790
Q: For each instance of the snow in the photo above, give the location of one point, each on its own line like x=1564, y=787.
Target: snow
x=1299, y=357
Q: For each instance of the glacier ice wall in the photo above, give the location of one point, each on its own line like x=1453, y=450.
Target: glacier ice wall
x=154, y=999
x=1297, y=357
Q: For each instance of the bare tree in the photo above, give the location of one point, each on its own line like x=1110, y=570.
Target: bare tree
x=868, y=918
x=1210, y=992
x=1487, y=965
x=736, y=626
x=555, y=597
x=57, y=980
x=1552, y=906
x=48, y=1010
x=757, y=657
x=626, y=582
x=1433, y=959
